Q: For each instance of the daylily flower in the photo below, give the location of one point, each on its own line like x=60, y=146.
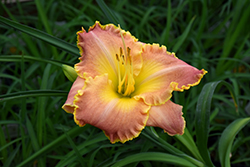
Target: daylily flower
x=124, y=85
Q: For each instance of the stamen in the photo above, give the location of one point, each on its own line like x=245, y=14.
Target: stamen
x=125, y=70
x=124, y=45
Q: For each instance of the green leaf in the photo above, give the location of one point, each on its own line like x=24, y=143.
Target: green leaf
x=168, y=147
x=72, y=49
x=23, y=83
x=239, y=22
x=203, y=21
x=3, y=151
x=17, y=58
x=45, y=22
x=187, y=140
x=10, y=159
x=203, y=116
x=32, y=93
x=90, y=144
x=78, y=155
x=10, y=143
x=110, y=15
x=227, y=138
x=93, y=155
x=202, y=119
x=145, y=18
x=42, y=105
x=33, y=139
x=32, y=135
x=154, y=156
x=55, y=143
x=165, y=35
x=159, y=141
x=43, y=17
x=183, y=36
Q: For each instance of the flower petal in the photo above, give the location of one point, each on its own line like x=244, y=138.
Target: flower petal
x=168, y=117
x=162, y=73
x=77, y=85
x=98, y=104
x=99, y=47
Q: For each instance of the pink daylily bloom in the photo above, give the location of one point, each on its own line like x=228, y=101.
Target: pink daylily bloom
x=124, y=85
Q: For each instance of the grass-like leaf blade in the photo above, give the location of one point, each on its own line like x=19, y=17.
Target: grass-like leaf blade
x=32, y=93
x=154, y=156
x=202, y=119
x=72, y=133
x=187, y=140
x=203, y=116
x=72, y=49
x=169, y=148
x=183, y=36
x=110, y=15
x=227, y=138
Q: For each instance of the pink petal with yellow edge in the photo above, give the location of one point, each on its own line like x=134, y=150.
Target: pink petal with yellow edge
x=168, y=117
x=99, y=47
x=77, y=85
x=162, y=73
x=98, y=104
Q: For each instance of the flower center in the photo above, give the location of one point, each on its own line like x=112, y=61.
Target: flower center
x=126, y=80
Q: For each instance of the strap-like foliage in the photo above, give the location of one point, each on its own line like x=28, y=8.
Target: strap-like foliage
x=72, y=49
x=202, y=122
x=227, y=138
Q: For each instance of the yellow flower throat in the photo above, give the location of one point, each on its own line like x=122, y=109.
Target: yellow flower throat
x=126, y=80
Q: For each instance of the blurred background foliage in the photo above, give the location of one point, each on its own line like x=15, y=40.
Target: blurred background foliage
x=208, y=34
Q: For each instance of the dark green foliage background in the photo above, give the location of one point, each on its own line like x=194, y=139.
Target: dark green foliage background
x=208, y=34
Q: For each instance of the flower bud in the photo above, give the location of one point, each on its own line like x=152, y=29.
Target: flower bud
x=69, y=72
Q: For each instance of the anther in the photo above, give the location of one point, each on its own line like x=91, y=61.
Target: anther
x=123, y=59
x=129, y=57
x=117, y=57
x=120, y=51
x=128, y=50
